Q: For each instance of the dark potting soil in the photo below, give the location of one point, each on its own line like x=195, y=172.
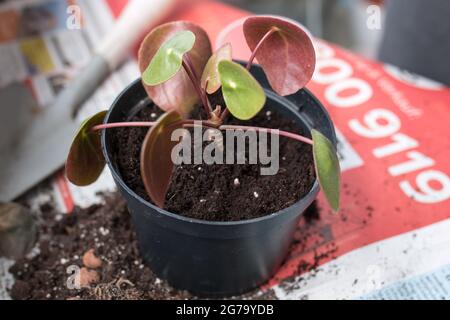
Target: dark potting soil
x=106, y=229
x=224, y=192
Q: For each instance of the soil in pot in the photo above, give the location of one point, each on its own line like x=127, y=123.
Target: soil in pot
x=223, y=192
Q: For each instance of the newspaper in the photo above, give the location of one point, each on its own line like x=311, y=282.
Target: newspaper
x=40, y=48
x=430, y=286
x=40, y=51
x=390, y=239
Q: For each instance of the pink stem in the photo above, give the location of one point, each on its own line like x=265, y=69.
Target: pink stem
x=274, y=131
x=206, y=96
x=187, y=65
x=123, y=124
x=206, y=123
x=252, y=57
x=224, y=114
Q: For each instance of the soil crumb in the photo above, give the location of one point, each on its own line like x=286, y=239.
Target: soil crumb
x=103, y=231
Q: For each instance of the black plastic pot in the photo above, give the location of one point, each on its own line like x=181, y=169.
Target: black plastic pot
x=216, y=258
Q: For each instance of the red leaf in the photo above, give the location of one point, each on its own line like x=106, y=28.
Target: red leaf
x=287, y=55
x=178, y=92
x=156, y=162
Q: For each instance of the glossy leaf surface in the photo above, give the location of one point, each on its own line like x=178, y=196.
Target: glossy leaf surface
x=287, y=55
x=243, y=95
x=327, y=168
x=210, y=78
x=169, y=58
x=156, y=162
x=177, y=92
x=85, y=161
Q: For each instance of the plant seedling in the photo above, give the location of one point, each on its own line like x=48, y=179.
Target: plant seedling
x=179, y=70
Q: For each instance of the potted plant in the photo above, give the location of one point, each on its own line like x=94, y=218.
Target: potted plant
x=230, y=226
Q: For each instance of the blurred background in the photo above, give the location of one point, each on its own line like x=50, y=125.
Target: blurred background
x=342, y=22
x=411, y=34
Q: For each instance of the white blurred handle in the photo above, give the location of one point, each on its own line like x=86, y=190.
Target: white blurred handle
x=137, y=16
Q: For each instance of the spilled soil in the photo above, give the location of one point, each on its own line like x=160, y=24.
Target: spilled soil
x=100, y=244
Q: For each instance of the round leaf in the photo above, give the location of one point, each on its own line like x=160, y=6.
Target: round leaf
x=243, y=95
x=327, y=168
x=85, y=161
x=168, y=59
x=210, y=78
x=156, y=162
x=177, y=92
x=287, y=55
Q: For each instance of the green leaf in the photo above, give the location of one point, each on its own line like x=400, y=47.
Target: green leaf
x=210, y=78
x=243, y=95
x=156, y=161
x=168, y=59
x=177, y=92
x=85, y=161
x=327, y=168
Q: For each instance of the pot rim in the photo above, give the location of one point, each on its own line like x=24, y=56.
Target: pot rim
x=312, y=192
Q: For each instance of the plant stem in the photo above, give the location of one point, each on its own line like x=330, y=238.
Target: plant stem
x=273, y=131
x=191, y=122
x=123, y=124
x=224, y=114
x=188, y=122
x=264, y=38
x=187, y=65
x=206, y=95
